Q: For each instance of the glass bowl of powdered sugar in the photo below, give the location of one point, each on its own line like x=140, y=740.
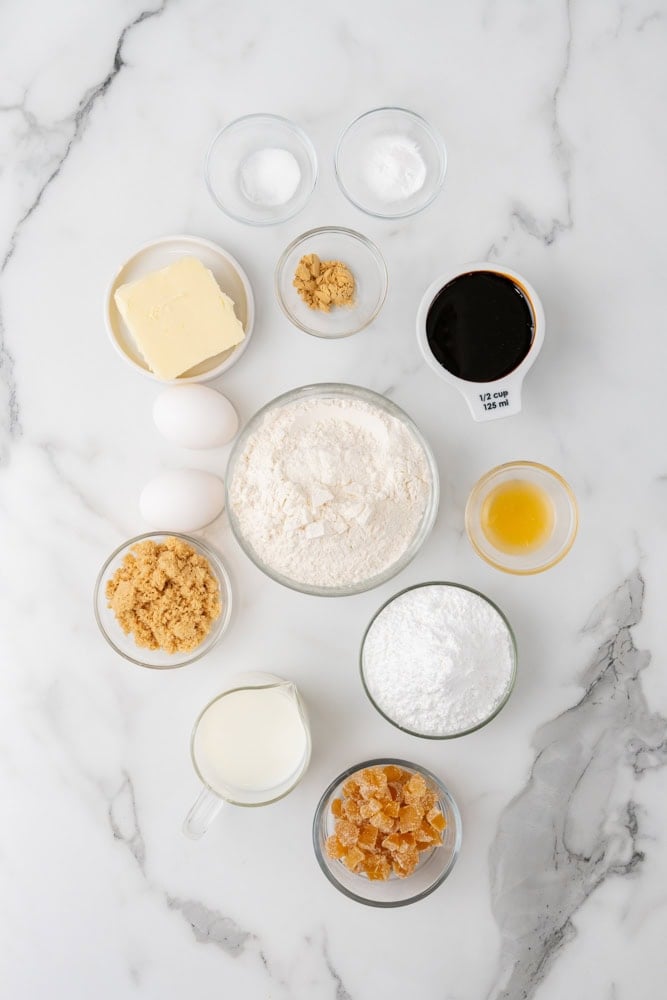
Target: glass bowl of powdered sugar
x=439, y=660
x=331, y=489
x=390, y=163
x=261, y=169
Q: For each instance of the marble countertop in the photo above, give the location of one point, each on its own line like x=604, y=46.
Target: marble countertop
x=554, y=120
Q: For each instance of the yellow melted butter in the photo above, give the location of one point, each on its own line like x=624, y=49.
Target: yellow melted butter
x=517, y=516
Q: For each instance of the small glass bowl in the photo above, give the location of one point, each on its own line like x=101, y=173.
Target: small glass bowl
x=335, y=390
x=368, y=269
x=461, y=732
x=124, y=644
x=566, y=518
x=231, y=147
x=353, y=150
x=433, y=868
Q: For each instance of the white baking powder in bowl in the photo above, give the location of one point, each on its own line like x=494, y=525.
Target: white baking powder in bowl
x=438, y=660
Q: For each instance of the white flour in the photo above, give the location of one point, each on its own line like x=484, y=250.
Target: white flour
x=438, y=660
x=330, y=492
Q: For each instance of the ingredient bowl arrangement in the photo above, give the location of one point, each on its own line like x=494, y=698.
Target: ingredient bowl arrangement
x=331, y=489
x=385, y=888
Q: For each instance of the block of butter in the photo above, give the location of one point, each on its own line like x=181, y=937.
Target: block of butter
x=178, y=317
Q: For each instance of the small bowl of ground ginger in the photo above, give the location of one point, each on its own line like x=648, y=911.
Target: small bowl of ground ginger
x=163, y=600
x=331, y=282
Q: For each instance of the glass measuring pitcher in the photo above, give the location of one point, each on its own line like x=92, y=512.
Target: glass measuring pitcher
x=250, y=746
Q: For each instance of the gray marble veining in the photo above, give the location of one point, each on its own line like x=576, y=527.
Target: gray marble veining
x=576, y=824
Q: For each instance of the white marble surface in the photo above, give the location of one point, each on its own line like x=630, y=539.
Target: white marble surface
x=554, y=120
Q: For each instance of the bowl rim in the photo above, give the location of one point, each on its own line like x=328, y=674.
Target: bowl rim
x=520, y=464
x=444, y=793
x=257, y=117
x=224, y=582
x=237, y=351
x=436, y=139
x=513, y=675
x=329, y=389
x=375, y=252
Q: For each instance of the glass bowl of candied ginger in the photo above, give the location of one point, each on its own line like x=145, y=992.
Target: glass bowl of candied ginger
x=386, y=832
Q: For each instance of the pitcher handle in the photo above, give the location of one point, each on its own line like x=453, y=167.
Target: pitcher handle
x=202, y=814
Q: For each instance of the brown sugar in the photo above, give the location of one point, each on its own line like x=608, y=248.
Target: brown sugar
x=165, y=594
x=324, y=283
x=385, y=819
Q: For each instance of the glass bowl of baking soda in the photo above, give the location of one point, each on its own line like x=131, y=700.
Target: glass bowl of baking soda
x=390, y=163
x=439, y=660
x=261, y=169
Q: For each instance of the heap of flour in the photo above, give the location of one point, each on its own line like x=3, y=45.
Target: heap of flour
x=330, y=492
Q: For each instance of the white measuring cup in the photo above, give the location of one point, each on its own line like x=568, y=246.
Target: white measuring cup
x=250, y=746
x=502, y=397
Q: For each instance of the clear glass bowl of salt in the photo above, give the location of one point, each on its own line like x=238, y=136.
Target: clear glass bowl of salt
x=261, y=169
x=390, y=163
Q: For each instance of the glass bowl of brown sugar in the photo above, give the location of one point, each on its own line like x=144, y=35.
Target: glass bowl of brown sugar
x=331, y=282
x=163, y=599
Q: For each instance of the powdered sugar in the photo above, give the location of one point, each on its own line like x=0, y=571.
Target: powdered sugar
x=438, y=660
x=331, y=491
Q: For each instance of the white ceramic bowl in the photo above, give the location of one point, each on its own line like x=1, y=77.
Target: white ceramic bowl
x=227, y=271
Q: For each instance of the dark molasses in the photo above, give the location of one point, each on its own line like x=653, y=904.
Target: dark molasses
x=480, y=326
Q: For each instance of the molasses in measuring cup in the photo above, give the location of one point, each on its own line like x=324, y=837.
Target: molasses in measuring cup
x=480, y=328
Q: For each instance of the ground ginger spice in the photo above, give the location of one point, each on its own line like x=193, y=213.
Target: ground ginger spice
x=324, y=283
x=165, y=594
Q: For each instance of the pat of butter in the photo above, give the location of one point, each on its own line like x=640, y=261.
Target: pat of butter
x=179, y=317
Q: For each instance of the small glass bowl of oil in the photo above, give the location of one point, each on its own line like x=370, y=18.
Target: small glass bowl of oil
x=522, y=517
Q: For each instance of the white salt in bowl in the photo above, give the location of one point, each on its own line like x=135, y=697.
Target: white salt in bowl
x=355, y=148
x=231, y=148
x=499, y=703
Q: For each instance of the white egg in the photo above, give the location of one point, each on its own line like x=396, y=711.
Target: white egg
x=194, y=416
x=182, y=500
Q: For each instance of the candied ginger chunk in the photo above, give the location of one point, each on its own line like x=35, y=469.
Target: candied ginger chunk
x=436, y=819
x=347, y=832
x=369, y=808
x=409, y=819
x=383, y=822
x=353, y=858
x=377, y=868
x=351, y=810
x=393, y=772
x=333, y=846
x=371, y=781
x=416, y=784
x=337, y=807
x=351, y=788
x=392, y=809
x=426, y=836
x=368, y=836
